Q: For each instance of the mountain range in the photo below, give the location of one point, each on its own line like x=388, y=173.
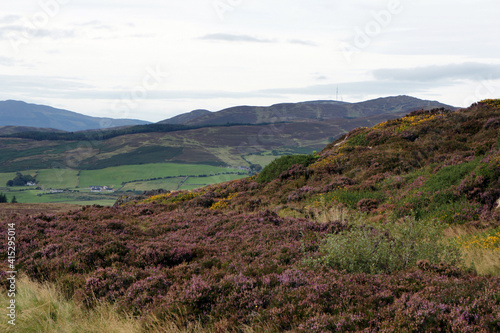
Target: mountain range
x=238, y=137
x=18, y=113
x=313, y=110
x=46, y=118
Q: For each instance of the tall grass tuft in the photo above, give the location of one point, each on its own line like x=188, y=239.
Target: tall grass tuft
x=480, y=249
x=41, y=308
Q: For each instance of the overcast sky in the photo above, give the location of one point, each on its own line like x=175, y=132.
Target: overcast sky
x=153, y=59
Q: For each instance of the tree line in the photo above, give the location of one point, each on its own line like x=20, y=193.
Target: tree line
x=113, y=133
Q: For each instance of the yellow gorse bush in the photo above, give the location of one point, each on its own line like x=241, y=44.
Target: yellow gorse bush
x=487, y=242
x=171, y=197
x=223, y=203
x=491, y=102
x=336, y=158
x=410, y=121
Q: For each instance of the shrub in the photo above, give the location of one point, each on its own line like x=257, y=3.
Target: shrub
x=278, y=166
x=392, y=247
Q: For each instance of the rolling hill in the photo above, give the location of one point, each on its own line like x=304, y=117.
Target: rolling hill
x=313, y=110
x=17, y=113
x=61, y=160
x=254, y=136
x=392, y=228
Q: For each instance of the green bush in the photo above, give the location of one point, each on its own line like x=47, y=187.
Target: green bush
x=276, y=167
x=387, y=248
x=359, y=140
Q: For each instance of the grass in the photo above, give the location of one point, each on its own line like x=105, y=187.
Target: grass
x=450, y=175
x=480, y=249
x=169, y=184
x=115, y=176
x=5, y=177
x=41, y=308
x=137, y=178
x=201, y=181
x=347, y=197
x=58, y=178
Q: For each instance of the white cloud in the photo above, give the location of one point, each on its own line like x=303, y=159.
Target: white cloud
x=234, y=38
x=465, y=71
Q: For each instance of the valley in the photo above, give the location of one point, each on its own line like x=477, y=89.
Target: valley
x=86, y=187
x=394, y=227
x=209, y=147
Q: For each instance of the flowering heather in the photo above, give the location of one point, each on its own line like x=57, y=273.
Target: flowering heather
x=265, y=252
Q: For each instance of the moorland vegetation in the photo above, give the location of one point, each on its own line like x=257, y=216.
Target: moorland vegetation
x=394, y=228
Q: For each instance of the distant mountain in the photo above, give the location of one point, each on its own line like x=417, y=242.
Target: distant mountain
x=17, y=113
x=254, y=136
x=313, y=110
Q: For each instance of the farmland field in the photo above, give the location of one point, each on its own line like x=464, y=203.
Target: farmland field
x=58, y=178
x=72, y=186
x=169, y=184
x=117, y=175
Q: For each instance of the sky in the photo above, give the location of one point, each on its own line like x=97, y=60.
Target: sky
x=154, y=59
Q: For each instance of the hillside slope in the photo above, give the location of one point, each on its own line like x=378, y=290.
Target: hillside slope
x=222, y=145
x=17, y=113
x=313, y=110
x=350, y=239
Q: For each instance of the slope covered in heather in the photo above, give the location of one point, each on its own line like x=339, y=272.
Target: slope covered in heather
x=373, y=233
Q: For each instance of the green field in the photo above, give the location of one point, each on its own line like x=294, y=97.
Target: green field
x=170, y=184
x=58, y=178
x=123, y=180
x=115, y=176
x=5, y=177
x=202, y=181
